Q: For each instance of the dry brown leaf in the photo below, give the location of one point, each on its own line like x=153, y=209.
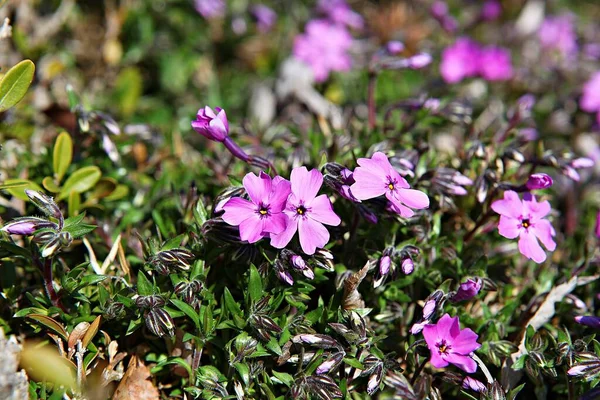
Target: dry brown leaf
x=135, y=384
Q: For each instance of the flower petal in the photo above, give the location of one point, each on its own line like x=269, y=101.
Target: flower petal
x=396, y=206
x=510, y=206
x=530, y=248
x=534, y=209
x=509, y=227
x=276, y=223
x=413, y=198
x=437, y=360
x=312, y=235
x=252, y=229
x=280, y=191
x=368, y=184
x=258, y=187
x=321, y=210
x=544, y=231
x=237, y=210
x=465, y=363
x=465, y=342
x=282, y=239
x=305, y=183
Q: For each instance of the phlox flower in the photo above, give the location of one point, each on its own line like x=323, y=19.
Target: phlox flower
x=525, y=219
x=375, y=176
x=559, y=32
x=460, y=60
x=495, y=64
x=262, y=215
x=590, y=99
x=451, y=345
x=306, y=212
x=324, y=47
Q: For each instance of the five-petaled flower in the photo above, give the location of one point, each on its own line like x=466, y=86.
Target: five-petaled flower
x=525, y=219
x=451, y=345
x=376, y=177
x=306, y=212
x=262, y=215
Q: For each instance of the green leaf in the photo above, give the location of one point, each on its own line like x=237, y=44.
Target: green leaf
x=74, y=203
x=143, y=285
x=119, y=192
x=188, y=310
x=79, y=230
x=353, y=362
x=17, y=187
x=89, y=280
x=49, y=185
x=128, y=89
x=72, y=96
x=80, y=181
x=15, y=83
x=12, y=185
x=255, y=286
x=62, y=155
x=50, y=323
x=283, y=377
x=232, y=306
x=513, y=393
x=172, y=361
x=244, y=372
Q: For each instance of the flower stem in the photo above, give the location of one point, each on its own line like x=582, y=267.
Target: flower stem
x=486, y=372
x=418, y=371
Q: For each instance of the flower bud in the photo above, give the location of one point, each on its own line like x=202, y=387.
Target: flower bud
x=394, y=47
x=159, y=322
x=419, y=61
x=539, y=181
x=210, y=125
x=46, y=204
x=467, y=290
x=330, y=364
x=384, y=265
x=587, y=320
x=473, y=384
x=27, y=225
x=408, y=266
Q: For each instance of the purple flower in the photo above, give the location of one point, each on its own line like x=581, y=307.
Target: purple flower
x=394, y=47
x=539, y=181
x=495, y=64
x=376, y=177
x=210, y=8
x=558, y=33
x=306, y=212
x=261, y=215
x=459, y=61
x=590, y=99
x=324, y=47
x=525, y=219
x=211, y=125
x=451, y=345
x=467, y=290
x=339, y=11
x=491, y=10
x=419, y=61
x=587, y=320
x=265, y=17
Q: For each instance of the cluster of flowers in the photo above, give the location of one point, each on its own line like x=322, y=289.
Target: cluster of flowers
x=466, y=58
x=326, y=41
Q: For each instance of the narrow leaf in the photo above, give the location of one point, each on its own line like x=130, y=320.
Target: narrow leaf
x=62, y=155
x=15, y=83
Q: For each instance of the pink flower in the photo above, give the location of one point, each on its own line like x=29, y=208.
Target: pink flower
x=495, y=64
x=306, y=212
x=451, y=345
x=491, y=10
x=211, y=125
x=558, y=33
x=376, y=177
x=324, y=47
x=539, y=181
x=525, y=219
x=459, y=61
x=210, y=8
x=590, y=99
x=339, y=11
x=262, y=215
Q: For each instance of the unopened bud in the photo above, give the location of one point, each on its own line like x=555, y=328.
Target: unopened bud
x=539, y=181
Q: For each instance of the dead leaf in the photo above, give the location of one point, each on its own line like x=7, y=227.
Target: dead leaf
x=135, y=384
x=352, y=298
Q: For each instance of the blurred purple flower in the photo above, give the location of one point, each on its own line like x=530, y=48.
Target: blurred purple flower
x=324, y=47
x=451, y=345
x=306, y=212
x=460, y=60
x=376, y=177
x=263, y=213
x=590, y=99
x=558, y=33
x=339, y=11
x=467, y=290
x=528, y=134
x=491, y=10
x=439, y=11
x=587, y=320
x=473, y=384
x=495, y=64
x=211, y=125
x=539, y=181
x=394, y=47
x=210, y=9
x=265, y=17
x=525, y=219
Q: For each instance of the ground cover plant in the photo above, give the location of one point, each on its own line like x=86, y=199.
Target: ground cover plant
x=299, y=199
